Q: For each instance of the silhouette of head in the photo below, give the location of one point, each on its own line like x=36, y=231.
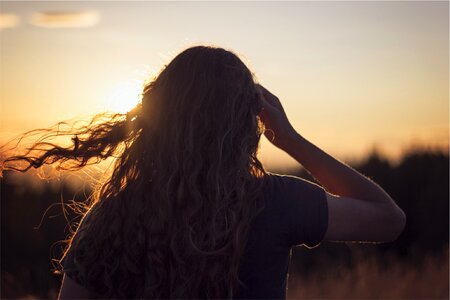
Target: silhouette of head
x=204, y=101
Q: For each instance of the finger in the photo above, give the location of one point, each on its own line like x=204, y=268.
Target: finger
x=263, y=95
x=271, y=98
x=269, y=107
x=263, y=115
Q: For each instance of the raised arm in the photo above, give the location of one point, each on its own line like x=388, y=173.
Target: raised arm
x=358, y=208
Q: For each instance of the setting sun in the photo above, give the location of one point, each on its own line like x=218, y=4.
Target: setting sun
x=134, y=164
x=353, y=76
x=124, y=96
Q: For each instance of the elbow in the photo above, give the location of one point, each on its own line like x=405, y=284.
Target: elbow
x=397, y=223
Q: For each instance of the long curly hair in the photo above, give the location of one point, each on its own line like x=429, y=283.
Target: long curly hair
x=172, y=218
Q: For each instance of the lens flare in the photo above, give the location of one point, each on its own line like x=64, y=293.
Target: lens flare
x=124, y=96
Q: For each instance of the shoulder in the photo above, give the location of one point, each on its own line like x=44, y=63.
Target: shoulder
x=300, y=206
x=293, y=185
x=83, y=226
x=71, y=289
x=70, y=261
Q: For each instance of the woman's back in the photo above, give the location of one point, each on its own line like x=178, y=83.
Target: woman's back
x=294, y=213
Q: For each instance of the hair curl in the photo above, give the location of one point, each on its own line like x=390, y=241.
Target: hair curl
x=172, y=219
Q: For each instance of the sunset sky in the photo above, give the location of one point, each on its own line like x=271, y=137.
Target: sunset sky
x=351, y=75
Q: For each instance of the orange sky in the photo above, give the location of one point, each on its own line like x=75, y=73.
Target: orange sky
x=352, y=75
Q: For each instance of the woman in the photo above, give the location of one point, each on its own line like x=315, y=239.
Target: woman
x=189, y=211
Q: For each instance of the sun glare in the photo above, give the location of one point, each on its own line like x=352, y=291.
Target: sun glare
x=124, y=96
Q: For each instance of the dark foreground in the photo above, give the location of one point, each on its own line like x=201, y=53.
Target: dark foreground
x=415, y=266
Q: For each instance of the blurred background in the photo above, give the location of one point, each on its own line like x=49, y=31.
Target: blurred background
x=368, y=82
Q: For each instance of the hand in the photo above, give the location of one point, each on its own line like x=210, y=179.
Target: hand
x=278, y=128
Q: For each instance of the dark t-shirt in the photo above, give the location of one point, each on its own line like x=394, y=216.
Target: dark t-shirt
x=295, y=214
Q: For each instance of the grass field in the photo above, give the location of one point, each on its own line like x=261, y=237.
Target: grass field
x=371, y=278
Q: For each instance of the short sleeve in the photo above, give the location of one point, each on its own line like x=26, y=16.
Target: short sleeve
x=306, y=210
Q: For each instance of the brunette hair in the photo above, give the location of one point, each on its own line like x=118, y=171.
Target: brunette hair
x=172, y=219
